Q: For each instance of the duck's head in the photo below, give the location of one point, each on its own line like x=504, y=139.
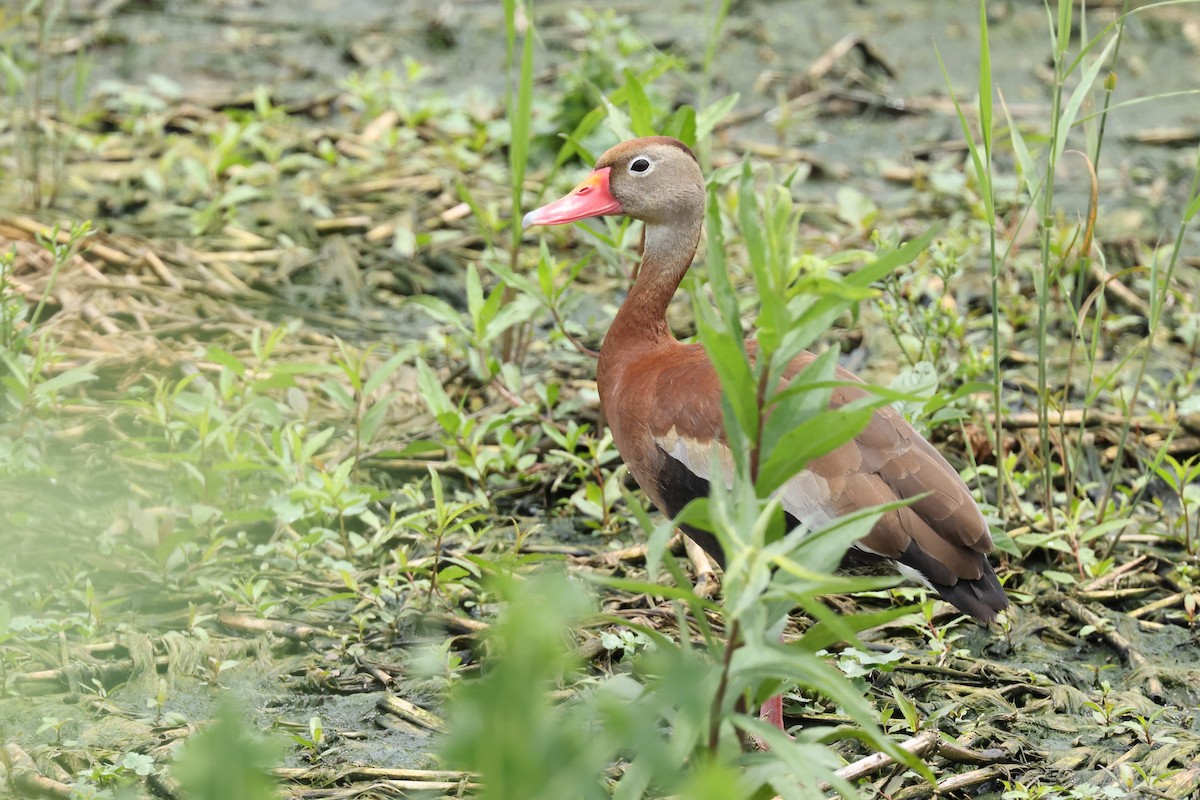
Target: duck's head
x=656, y=179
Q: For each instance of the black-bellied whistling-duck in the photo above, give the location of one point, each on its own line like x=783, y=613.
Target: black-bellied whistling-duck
x=662, y=400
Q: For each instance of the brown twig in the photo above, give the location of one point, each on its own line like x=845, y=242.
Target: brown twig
x=411, y=712
x=1088, y=418
x=1158, y=605
x=288, y=630
x=1116, y=574
x=455, y=623
x=25, y=776
x=953, y=784
x=924, y=745
x=714, y=723
x=1129, y=654
x=422, y=778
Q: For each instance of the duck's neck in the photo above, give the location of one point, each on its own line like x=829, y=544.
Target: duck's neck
x=642, y=320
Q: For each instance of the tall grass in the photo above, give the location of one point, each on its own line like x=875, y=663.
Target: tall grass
x=981, y=158
x=1081, y=71
x=37, y=99
x=518, y=23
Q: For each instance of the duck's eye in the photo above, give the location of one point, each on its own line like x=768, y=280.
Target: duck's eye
x=639, y=165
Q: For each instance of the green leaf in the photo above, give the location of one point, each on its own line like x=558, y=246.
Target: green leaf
x=432, y=392
x=985, y=81
x=18, y=376
x=337, y=392
x=1029, y=174
x=1063, y=39
x=1059, y=577
x=452, y=573
x=387, y=369
x=641, y=115
x=1104, y=528
x=843, y=628
x=519, y=282
x=718, y=274
x=807, y=395
x=737, y=379
x=1192, y=209
x=372, y=420
x=414, y=448
x=226, y=359
x=820, y=552
x=1082, y=90
x=63, y=380
x=474, y=294
x=710, y=117
x=440, y=311
x=314, y=443
x=573, y=142
x=682, y=125
x=811, y=439
x=748, y=219
x=520, y=310
x=982, y=167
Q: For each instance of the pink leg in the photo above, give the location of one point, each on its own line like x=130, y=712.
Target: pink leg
x=772, y=712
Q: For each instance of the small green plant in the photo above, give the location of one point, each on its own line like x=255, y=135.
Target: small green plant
x=56, y=725
x=13, y=308
x=314, y=739
x=469, y=437
x=158, y=702
x=227, y=760
x=366, y=402
x=215, y=668
x=1106, y=711
x=123, y=773
x=1184, y=480
x=591, y=461
x=623, y=641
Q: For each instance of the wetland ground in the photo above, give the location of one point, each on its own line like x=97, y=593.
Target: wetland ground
x=270, y=435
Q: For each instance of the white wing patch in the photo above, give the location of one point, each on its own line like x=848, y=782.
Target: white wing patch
x=696, y=455
x=913, y=575
x=805, y=497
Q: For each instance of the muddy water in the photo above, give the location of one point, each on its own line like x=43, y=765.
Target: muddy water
x=304, y=48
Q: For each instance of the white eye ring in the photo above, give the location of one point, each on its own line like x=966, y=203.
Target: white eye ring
x=645, y=164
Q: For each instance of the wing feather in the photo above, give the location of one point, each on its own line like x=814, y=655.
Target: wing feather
x=942, y=536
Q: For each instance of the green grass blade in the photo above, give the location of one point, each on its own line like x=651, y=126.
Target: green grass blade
x=1025, y=162
x=1063, y=40
x=1071, y=109
x=981, y=173
x=641, y=114
x=520, y=112
x=573, y=142
x=985, y=81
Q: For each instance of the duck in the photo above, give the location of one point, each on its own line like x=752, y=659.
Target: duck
x=661, y=399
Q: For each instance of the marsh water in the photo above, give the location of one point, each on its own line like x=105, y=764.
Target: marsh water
x=220, y=51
